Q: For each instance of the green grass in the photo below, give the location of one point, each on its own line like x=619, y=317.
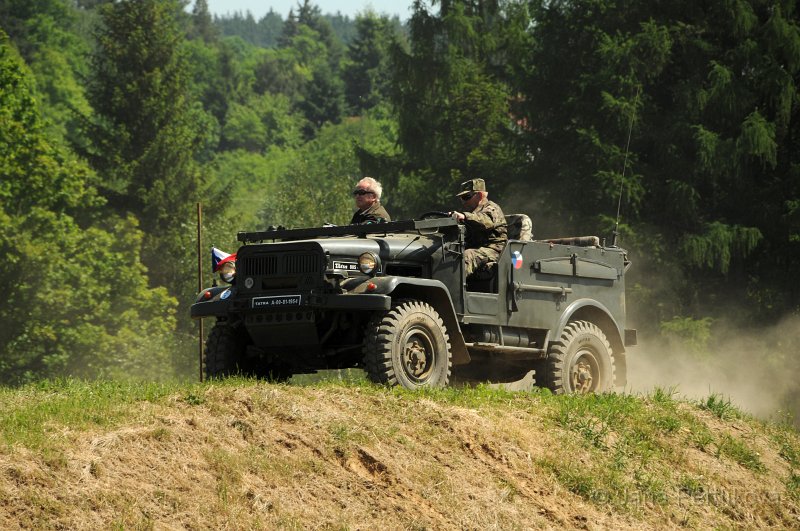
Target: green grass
x=789, y=450
x=635, y=444
x=721, y=407
x=612, y=448
x=740, y=452
x=33, y=415
x=625, y=438
x=691, y=486
x=473, y=397
x=793, y=485
x=700, y=436
x=593, y=431
x=344, y=437
x=350, y=377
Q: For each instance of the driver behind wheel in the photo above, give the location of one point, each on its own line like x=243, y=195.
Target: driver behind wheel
x=487, y=231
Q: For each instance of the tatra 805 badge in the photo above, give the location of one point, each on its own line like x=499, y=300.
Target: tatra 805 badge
x=347, y=266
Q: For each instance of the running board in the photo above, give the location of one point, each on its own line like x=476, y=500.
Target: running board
x=511, y=353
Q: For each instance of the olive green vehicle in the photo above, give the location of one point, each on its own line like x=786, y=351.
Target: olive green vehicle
x=392, y=299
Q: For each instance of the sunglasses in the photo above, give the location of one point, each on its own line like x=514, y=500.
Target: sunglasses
x=467, y=197
x=361, y=192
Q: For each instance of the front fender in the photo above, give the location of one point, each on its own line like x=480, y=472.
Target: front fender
x=430, y=291
x=387, y=285
x=212, y=302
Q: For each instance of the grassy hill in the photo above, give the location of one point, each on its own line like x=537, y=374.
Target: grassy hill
x=242, y=454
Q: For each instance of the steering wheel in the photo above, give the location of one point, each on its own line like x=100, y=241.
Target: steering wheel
x=435, y=214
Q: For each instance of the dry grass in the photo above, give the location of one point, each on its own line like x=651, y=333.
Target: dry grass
x=248, y=455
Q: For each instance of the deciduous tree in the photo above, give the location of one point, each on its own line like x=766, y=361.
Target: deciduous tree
x=75, y=299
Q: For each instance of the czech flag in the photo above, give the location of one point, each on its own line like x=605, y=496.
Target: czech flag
x=516, y=259
x=219, y=257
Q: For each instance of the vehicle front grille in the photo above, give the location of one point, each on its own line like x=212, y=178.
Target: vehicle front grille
x=281, y=264
x=259, y=265
x=302, y=263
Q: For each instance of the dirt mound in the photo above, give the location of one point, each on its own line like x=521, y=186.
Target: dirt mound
x=253, y=455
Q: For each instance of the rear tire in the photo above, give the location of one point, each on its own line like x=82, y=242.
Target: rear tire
x=408, y=346
x=581, y=362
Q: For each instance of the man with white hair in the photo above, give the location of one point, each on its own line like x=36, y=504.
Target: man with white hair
x=368, y=203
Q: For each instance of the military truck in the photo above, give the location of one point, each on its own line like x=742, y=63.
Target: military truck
x=392, y=299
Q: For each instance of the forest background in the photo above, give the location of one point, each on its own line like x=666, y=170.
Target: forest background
x=116, y=118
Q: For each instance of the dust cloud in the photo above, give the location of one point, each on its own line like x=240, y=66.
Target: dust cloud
x=757, y=370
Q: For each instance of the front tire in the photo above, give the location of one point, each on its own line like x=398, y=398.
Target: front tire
x=225, y=351
x=581, y=362
x=408, y=346
x=226, y=355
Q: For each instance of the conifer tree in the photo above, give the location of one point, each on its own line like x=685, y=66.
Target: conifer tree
x=713, y=89
x=453, y=110
x=270, y=27
x=367, y=72
x=289, y=30
x=202, y=26
x=146, y=130
x=317, y=52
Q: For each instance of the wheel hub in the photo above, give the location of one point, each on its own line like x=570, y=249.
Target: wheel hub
x=583, y=375
x=417, y=355
x=415, y=358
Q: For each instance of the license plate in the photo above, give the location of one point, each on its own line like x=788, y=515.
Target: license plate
x=277, y=301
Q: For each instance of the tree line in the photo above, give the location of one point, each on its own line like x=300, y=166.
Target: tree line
x=669, y=128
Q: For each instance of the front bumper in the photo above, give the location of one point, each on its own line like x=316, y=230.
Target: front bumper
x=244, y=305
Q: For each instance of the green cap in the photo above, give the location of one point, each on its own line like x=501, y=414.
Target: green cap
x=473, y=185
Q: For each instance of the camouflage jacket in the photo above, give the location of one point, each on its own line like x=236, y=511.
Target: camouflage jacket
x=374, y=214
x=486, y=227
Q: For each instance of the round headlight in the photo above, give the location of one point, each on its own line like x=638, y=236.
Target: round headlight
x=228, y=271
x=368, y=263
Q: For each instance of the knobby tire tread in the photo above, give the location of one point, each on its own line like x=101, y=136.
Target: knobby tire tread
x=380, y=332
x=554, y=378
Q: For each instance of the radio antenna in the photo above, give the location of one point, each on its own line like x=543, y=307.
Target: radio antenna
x=624, y=167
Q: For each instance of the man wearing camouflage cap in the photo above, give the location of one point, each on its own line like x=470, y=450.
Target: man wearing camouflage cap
x=487, y=231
